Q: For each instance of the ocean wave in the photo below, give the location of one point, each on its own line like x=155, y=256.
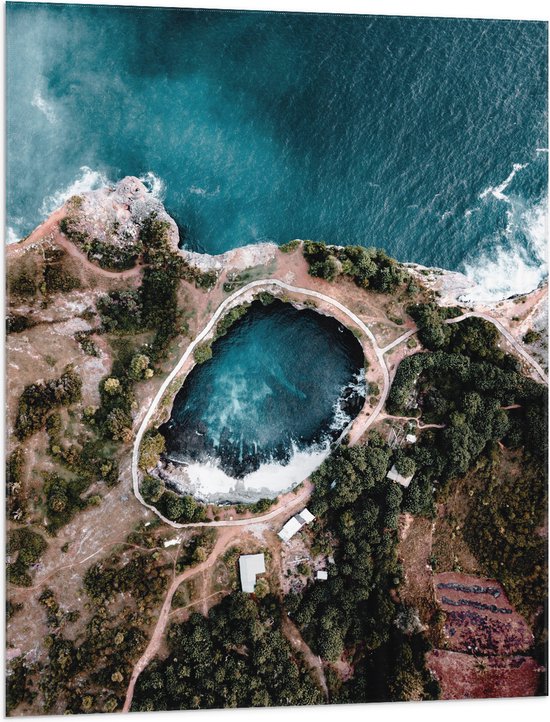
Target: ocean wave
x=498, y=191
x=514, y=262
x=88, y=180
x=12, y=236
x=198, y=191
x=154, y=184
x=357, y=387
x=208, y=482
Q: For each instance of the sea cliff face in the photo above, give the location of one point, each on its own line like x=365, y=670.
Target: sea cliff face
x=114, y=214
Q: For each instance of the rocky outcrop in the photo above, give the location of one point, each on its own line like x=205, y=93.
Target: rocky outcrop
x=113, y=215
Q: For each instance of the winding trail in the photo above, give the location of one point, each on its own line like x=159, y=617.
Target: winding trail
x=224, y=540
x=264, y=285
x=51, y=225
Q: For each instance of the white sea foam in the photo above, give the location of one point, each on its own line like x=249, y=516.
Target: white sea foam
x=12, y=235
x=154, y=184
x=88, y=180
x=498, y=191
x=358, y=387
x=208, y=481
x=510, y=266
x=198, y=191
x=38, y=101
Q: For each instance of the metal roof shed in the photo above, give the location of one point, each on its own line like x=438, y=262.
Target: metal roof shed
x=289, y=529
x=250, y=565
x=305, y=516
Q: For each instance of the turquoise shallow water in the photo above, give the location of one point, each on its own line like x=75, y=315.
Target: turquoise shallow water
x=396, y=132
x=280, y=378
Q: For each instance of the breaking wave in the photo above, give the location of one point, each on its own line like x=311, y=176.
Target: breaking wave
x=356, y=388
x=88, y=180
x=514, y=260
x=208, y=482
x=155, y=185
x=12, y=236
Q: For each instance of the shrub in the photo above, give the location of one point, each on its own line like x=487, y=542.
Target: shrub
x=152, y=446
x=152, y=488
x=29, y=546
x=16, y=323
x=202, y=352
x=290, y=246
x=112, y=386
x=37, y=400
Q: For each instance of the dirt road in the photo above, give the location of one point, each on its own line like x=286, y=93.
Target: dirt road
x=224, y=540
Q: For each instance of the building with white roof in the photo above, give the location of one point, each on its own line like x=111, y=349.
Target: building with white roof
x=394, y=475
x=322, y=574
x=305, y=516
x=410, y=438
x=250, y=565
x=294, y=524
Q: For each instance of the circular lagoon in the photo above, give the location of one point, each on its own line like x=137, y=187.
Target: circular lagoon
x=260, y=415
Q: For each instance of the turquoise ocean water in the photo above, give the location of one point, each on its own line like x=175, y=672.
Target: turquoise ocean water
x=427, y=137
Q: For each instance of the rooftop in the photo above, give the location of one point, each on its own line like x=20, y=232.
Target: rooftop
x=250, y=565
x=294, y=524
x=394, y=475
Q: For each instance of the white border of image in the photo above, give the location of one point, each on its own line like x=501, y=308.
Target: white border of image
x=536, y=708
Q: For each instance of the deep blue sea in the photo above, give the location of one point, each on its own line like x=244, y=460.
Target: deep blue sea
x=427, y=137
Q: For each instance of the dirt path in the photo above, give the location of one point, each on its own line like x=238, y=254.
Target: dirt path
x=224, y=540
x=292, y=633
x=51, y=226
x=415, y=419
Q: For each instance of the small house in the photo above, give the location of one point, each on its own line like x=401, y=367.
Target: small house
x=294, y=524
x=394, y=475
x=250, y=565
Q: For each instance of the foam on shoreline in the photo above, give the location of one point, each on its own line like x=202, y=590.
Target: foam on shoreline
x=209, y=483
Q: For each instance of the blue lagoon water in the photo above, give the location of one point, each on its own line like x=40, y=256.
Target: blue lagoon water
x=427, y=137
x=280, y=382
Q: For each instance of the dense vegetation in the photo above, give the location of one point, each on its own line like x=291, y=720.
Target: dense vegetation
x=357, y=508
x=237, y=657
x=155, y=304
x=38, y=400
x=369, y=267
x=176, y=507
x=26, y=546
x=502, y=530
x=470, y=399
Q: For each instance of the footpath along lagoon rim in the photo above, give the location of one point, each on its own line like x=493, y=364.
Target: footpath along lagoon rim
x=356, y=427
x=262, y=284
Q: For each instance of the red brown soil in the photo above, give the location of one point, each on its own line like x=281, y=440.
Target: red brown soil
x=462, y=676
x=414, y=550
